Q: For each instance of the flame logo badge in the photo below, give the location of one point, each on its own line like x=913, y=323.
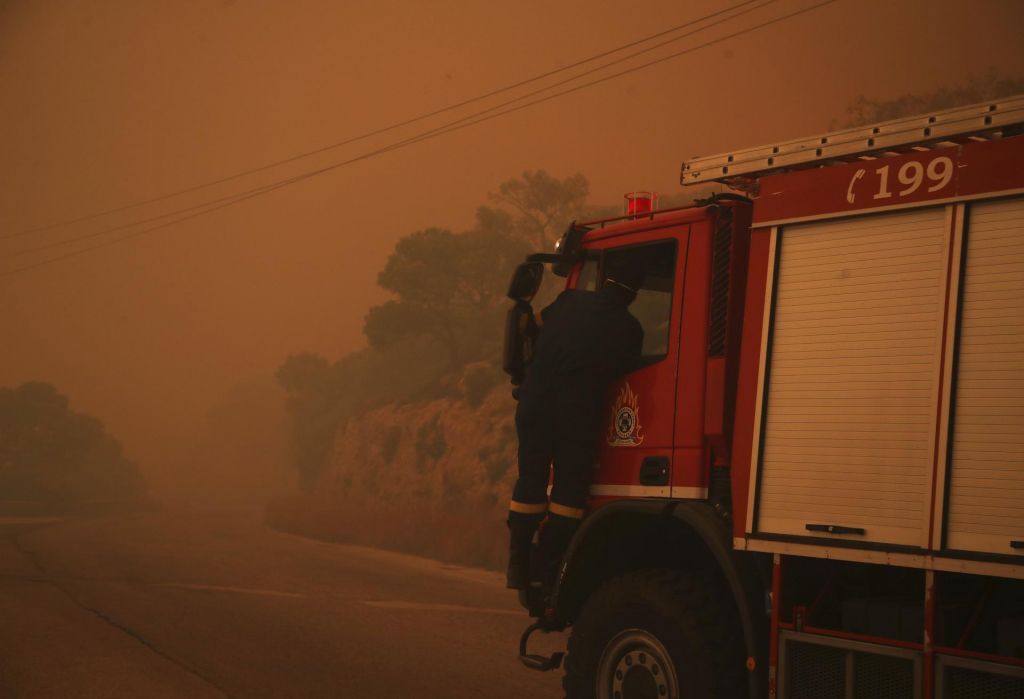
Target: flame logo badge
x=625, y=429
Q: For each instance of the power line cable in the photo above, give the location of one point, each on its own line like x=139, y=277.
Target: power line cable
x=375, y=132
x=436, y=130
x=443, y=130
x=455, y=126
x=210, y=207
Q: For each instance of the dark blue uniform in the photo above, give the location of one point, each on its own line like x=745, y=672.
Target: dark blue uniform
x=587, y=340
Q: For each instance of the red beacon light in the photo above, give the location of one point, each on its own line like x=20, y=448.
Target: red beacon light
x=640, y=203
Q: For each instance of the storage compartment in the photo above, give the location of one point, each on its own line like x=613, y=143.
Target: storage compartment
x=1010, y=638
x=986, y=483
x=851, y=378
x=884, y=618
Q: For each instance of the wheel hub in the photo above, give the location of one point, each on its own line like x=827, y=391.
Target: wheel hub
x=635, y=665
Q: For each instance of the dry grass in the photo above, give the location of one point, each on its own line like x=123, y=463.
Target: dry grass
x=470, y=535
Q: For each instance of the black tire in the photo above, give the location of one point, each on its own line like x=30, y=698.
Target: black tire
x=656, y=633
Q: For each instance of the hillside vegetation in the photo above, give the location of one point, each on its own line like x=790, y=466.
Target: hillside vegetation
x=57, y=460
x=430, y=477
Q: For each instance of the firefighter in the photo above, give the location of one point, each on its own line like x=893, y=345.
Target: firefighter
x=587, y=339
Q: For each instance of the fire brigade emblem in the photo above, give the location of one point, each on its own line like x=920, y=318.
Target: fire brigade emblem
x=625, y=429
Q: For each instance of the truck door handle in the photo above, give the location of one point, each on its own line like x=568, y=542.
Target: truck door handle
x=654, y=471
x=834, y=529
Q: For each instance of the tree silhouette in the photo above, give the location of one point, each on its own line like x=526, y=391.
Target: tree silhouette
x=448, y=286
x=50, y=453
x=544, y=205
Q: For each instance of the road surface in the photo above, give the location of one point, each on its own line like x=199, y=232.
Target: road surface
x=192, y=604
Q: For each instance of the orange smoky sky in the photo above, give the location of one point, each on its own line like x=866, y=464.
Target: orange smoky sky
x=104, y=103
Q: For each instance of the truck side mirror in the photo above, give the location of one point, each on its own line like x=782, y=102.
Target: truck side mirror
x=526, y=281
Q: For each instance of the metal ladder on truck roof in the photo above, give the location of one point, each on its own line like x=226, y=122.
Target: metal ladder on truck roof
x=739, y=169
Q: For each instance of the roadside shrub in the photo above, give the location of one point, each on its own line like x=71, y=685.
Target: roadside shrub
x=472, y=534
x=478, y=382
x=389, y=443
x=430, y=442
x=54, y=455
x=444, y=386
x=494, y=461
x=453, y=490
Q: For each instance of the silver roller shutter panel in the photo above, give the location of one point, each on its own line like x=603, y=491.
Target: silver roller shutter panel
x=852, y=393
x=986, y=496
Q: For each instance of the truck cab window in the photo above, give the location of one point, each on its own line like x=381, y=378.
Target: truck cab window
x=586, y=280
x=653, y=304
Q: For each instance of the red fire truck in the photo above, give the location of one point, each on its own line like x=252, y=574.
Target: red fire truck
x=814, y=486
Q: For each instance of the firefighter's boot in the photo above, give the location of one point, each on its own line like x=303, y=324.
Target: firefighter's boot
x=521, y=528
x=554, y=539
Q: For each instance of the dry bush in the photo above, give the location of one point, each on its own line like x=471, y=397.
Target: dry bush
x=430, y=441
x=473, y=534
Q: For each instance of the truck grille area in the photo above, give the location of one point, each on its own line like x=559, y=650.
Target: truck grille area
x=961, y=682
x=815, y=672
x=820, y=667
x=882, y=677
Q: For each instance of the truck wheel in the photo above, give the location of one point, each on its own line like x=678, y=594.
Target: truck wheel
x=655, y=634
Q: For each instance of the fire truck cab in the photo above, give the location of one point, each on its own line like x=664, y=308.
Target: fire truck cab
x=814, y=484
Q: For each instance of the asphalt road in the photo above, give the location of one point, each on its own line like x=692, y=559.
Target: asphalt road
x=193, y=604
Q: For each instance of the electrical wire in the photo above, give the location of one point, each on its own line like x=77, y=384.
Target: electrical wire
x=454, y=126
x=375, y=132
x=216, y=205
x=443, y=130
x=467, y=118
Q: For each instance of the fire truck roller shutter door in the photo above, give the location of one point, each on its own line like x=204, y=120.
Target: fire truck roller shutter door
x=986, y=487
x=853, y=374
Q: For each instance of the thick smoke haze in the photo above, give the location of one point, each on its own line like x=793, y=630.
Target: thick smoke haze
x=172, y=338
